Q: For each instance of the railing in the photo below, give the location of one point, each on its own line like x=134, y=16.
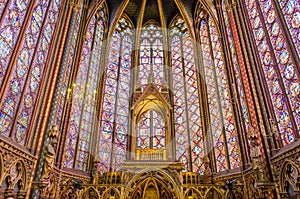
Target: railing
x=151, y=154
x=191, y=178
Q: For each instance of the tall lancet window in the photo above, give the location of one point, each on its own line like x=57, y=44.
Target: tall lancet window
x=224, y=136
x=151, y=68
x=186, y=98
x=115, y=108
x=24, y=69
x=81, y=129
x=278, y=60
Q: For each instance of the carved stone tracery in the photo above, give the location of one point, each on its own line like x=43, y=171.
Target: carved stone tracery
x=16, y=167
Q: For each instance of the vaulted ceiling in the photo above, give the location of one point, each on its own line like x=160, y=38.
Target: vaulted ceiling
x=134, y=9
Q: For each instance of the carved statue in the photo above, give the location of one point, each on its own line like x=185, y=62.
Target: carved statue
x=50, y=153
x=207, y=170
x=48, y=162
x=274, y=132
x=180, y=176
x=255, y=155
x=95, y=172
x=48, y=178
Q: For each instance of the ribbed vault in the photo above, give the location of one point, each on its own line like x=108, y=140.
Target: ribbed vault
x=134, y=9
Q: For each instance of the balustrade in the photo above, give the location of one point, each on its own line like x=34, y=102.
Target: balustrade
x=151, y=154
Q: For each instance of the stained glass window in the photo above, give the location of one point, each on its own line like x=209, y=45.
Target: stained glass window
x=28, y=70
x=279, y=70
x=186, y=97
x=291, y=12
x=3, y=3
x=151, y=131
x=62, y=87
x=83, y=108
x=114, y=120
x=225, y=145
x=10, y=26
x=151, y=69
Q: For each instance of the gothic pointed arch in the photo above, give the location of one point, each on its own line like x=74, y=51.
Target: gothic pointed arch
x=112, y=191
x=213, y=193
x=210, y=9
x=289, y=181
x=184, y=15
x=119, y=13
x=91, y=191
x=18, y=175
x=150, y=91
x=151, y=187
x=151, y=125
x=159, y=178
x=192, y=192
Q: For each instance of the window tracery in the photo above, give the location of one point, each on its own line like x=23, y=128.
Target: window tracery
x=151, y=69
